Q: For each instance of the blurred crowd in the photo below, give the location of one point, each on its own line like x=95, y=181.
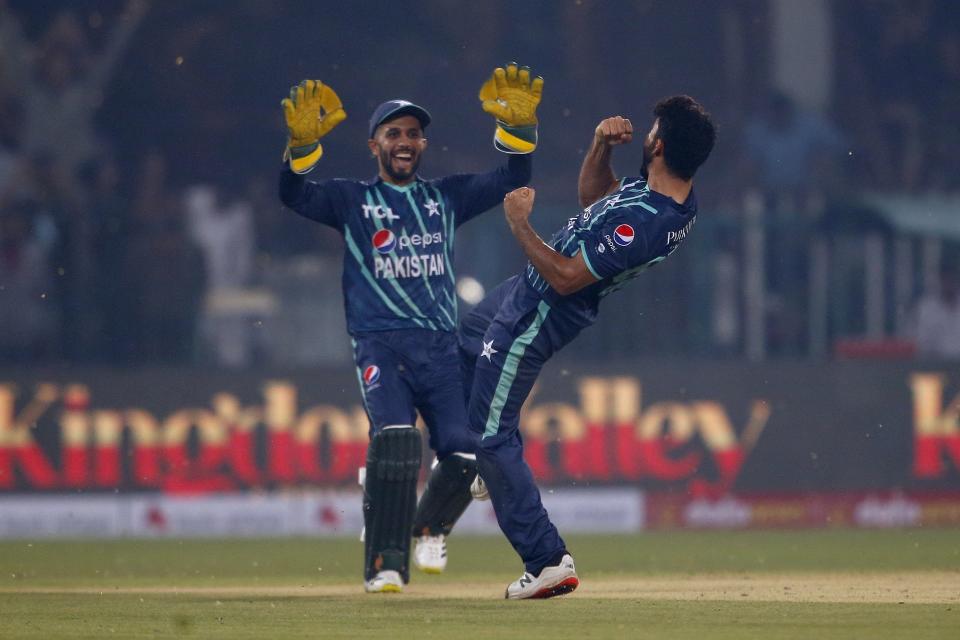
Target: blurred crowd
x=137, y=206
x=102, y=257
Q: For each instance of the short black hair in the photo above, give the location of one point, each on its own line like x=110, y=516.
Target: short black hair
x=687, y=132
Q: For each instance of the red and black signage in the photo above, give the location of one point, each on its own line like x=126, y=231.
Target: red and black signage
x=700, y=429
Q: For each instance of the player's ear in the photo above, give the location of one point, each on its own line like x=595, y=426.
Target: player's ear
x=372, y=145
x=423, y=144
x=658, y=147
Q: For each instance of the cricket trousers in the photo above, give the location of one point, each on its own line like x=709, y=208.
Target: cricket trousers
x=404, y=371
x=504, y=343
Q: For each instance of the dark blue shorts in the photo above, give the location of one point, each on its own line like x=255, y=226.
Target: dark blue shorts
x=405, y=371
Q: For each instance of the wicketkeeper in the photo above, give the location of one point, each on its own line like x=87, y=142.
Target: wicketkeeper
x=399, y=294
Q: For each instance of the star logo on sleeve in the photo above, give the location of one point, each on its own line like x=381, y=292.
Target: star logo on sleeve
x=433, y=208
x=488, y=351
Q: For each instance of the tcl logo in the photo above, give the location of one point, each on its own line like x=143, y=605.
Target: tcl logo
x=379, y=212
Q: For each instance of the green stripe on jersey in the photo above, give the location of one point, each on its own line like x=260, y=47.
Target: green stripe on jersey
x=426, y=279
x=358, y=255
x=448, y=218
x=420, y=317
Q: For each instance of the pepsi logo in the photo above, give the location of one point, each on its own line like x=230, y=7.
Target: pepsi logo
x=371, y=374
x=384, y=241
x=623, y=235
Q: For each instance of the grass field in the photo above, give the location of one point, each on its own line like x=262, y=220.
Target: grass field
x=772, y=585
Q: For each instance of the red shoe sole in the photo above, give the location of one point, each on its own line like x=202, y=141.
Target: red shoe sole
x=559, y=589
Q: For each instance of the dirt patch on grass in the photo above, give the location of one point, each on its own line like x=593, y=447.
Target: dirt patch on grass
x=901, y=587
x=919, y=587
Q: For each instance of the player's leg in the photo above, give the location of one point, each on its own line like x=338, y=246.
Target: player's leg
x=389, y=500
x=445, y=497
x=472, y=328
x=506, y=371
x=450, y=487
x=447, y=492
x=549, y=568
x=392, y=467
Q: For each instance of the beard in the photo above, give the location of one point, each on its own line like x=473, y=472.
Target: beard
x=401, y=174
x=647, y=158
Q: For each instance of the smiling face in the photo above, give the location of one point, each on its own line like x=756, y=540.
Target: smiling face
x=397, y=146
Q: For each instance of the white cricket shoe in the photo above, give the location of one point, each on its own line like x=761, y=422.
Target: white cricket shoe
x=478, y=489
x=384, y=582
x=430, y=554
x=552, y=581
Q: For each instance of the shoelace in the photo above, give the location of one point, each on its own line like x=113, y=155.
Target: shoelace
x=437, y=546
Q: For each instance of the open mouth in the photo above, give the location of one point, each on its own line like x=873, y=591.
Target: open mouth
x=403, y=158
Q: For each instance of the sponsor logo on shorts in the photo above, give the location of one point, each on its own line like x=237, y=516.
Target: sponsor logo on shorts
x=623, y=235
x=371, y=375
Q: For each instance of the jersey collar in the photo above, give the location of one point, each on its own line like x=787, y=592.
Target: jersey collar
x=688, y=205
x=407, y=187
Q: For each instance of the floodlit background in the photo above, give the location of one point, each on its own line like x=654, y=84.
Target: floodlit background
x=827, y=208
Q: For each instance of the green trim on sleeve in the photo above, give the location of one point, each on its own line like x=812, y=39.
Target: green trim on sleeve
x=583, y=251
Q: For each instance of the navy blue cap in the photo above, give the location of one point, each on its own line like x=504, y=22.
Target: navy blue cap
x=394, y=109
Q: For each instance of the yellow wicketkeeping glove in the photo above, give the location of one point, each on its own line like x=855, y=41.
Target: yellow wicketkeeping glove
x=512, y=98
x=311, y=111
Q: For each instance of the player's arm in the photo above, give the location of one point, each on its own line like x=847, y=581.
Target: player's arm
x=475, y=193
x=314, y=200
x=596, y=174
x=311, y=112
x=566, y=275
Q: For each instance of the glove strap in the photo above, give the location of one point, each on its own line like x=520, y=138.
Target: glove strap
x=303, y=159
x=515, y=139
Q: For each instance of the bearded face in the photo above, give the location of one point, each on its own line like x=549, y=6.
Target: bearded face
x=649, y=145
x=398, y=145
x=647, y=158
x=400, y=163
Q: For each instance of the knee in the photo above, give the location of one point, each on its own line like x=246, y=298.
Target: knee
x=499, y=449
x=462, y=441
x=487, y=449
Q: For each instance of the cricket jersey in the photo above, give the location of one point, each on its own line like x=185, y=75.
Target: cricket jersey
x=619, y=236
x=398, y=261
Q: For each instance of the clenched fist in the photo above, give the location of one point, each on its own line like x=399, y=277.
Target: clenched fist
x=518, y=204
x=615, y=130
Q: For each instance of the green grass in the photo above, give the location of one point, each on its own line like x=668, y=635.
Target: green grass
x=119, y=616
x=289, y=588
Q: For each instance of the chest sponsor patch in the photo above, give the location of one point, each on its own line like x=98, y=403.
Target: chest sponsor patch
x=384, y=241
